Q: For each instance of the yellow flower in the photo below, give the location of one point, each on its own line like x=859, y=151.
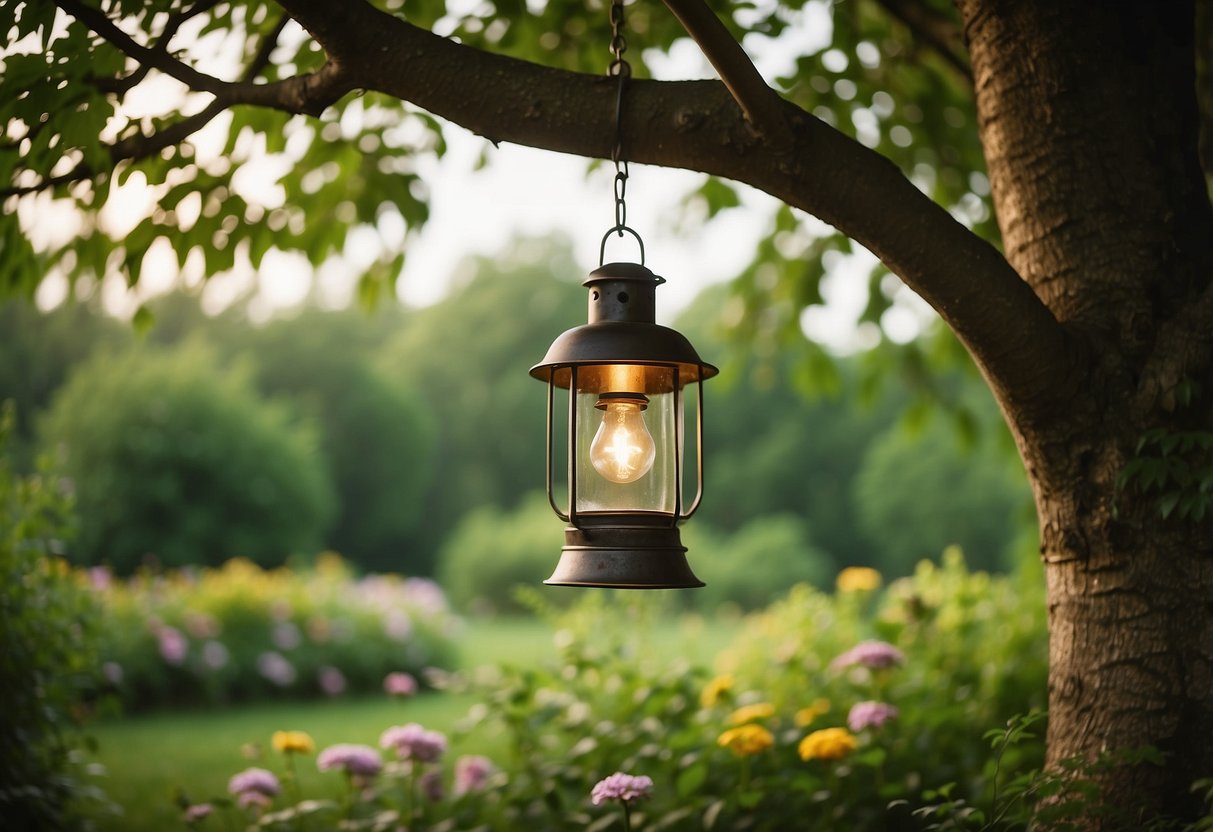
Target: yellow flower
x=858, y=579
x=827, y=744
x=806, y=716
x=716, y=690
x=293, y=742
x=752, y=713
x=746, y=740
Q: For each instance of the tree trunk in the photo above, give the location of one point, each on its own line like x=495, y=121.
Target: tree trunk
x=1103, y=211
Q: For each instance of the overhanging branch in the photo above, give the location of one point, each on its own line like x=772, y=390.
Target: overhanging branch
x=696, y=125
x=760, y=104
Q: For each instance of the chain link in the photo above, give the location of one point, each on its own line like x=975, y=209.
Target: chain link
x=621, y=69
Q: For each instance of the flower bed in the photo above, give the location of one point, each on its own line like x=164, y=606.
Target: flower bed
x=861, y=710
x=238, y=633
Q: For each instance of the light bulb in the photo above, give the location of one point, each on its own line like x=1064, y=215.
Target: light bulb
x=623, y=449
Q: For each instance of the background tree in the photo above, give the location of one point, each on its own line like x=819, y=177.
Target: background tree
x=1091, y=324
x=172, y=460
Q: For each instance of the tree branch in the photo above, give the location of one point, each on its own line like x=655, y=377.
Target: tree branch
x=760, y=104
x=696, y=125
x=944, y=36
x=156, y=58
x=121, y=86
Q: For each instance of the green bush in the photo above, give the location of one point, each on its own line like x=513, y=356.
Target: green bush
x=493, y=551
x=239, y=633
x=172, y=460
x=47, y=657
x=754, y=564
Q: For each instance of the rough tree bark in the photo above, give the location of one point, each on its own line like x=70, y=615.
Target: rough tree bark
x=1091, y=140
x=1095, y=330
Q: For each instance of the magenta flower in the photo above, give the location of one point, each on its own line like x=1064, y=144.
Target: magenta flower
x=254, y=786
x=359, y=761
x=471, y=773
x=621, y=787
x=874, y=655
x=412, y=742
x=197, y=812
x=400, y=684
x=173, y=645
x=870, y=715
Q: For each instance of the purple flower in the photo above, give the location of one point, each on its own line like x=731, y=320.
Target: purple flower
x=875, y=655
x=197, y=812
x=276, y=668
x=331, y=680
x=360, y=761
x=412, y=742
x=870, y=715
x=173, y=645
x=398, y=625
x=471, y=773
x=400, y=684
x=253, y=785
x=621, y=787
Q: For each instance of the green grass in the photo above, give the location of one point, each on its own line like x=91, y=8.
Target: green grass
x=149, y=757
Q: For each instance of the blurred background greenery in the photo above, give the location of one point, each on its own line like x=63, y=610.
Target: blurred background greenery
x=412, y=440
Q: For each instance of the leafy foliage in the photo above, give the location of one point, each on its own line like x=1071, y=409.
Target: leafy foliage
x=172, y=459
x=49, y=626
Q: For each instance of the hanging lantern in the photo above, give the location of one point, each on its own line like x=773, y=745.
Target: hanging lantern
x=626, y=378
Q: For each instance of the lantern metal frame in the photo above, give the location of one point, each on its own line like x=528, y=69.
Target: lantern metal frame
x=633, y=548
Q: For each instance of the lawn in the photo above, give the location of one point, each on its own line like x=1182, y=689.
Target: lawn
x=148, y=758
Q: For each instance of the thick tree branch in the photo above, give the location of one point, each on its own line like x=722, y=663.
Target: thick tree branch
x=761, y=105
x=696, y=125
x=935, y=30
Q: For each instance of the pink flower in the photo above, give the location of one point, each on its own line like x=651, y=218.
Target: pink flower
x=197, y=812
x=360, y=761
x=875, y=655
x=870, y=715
x=253, y=785
x=412, y=742
x=621, y=787
x=331, y=680
x=173, y=645
x=471, y=773
x=276, y=668
x=400, y=684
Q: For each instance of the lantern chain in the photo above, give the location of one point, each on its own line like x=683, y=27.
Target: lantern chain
x=619, y=68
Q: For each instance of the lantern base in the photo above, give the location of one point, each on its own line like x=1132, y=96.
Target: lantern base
x=624, y=558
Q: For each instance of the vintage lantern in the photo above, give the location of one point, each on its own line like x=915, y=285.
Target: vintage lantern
x=626, y=378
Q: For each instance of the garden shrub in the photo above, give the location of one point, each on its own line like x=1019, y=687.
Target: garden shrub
x=238, y=633
x=173, y=460
x=756, y=563
x=47, y=658
x=493, y=551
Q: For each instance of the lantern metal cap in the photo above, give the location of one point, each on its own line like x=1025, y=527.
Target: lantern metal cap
x=622, y=330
